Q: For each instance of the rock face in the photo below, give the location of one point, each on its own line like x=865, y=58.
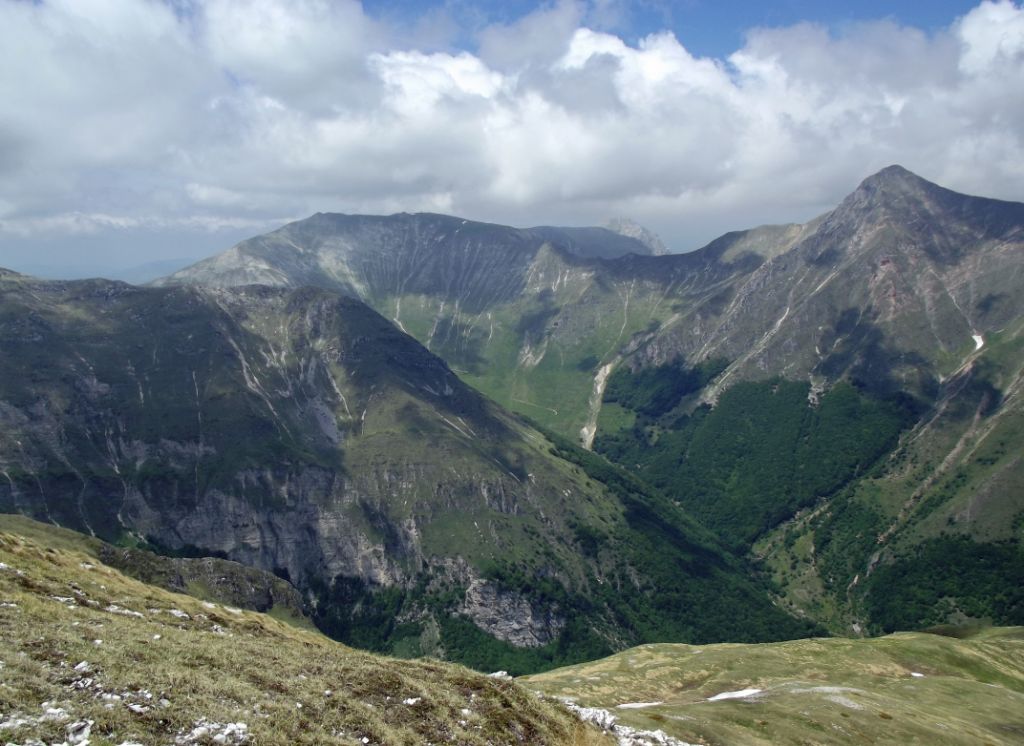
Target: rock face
x=219, y=580
x=511, y=617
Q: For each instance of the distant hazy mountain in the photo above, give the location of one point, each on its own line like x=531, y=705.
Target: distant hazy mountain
x=632, y=229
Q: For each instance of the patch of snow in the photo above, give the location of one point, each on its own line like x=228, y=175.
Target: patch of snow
x=978, y=341
x=637, y=705
x=917, y=675
x=845, y=702
x=826, y=689
x=738, y=694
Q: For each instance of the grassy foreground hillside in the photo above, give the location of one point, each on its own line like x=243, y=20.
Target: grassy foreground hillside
x=90, y=655
x=904, y=688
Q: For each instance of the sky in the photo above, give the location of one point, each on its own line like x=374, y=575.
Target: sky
x=138, y=134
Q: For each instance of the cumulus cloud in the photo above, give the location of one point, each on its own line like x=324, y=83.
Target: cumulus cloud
x=222, y=112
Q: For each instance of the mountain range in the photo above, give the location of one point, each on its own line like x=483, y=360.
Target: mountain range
x=299, y=432
x=535, y=446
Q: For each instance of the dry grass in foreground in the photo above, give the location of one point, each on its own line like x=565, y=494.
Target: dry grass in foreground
x=88, y=654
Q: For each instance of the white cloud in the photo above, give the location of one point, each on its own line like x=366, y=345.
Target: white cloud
x=120, y=113
x=992, y=36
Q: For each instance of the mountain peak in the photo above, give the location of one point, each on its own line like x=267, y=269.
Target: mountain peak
x=894, y=177
x=894, y=189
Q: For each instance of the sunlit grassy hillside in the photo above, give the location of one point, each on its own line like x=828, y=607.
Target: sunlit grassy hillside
x=88, y=653
x=905, y=688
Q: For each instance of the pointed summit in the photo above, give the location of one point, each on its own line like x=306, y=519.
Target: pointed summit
x=893, y=181
x=894, y=174
x=894, y=193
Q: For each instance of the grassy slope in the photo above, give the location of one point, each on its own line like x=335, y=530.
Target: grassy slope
x=151, y=676
x=208, y=579
x=823, y=691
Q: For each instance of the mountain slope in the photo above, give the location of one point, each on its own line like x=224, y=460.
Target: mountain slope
x=517, y=313
x=891, y=288
x=299, y=432
x=830, y=396
x=89, y=653
x=912, y=294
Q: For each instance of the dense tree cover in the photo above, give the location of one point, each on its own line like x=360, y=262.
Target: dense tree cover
x=846, y=536
x=473, y=647
x=693, y=590
x=762, y=453
x=655, y=391
x=948, y=577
